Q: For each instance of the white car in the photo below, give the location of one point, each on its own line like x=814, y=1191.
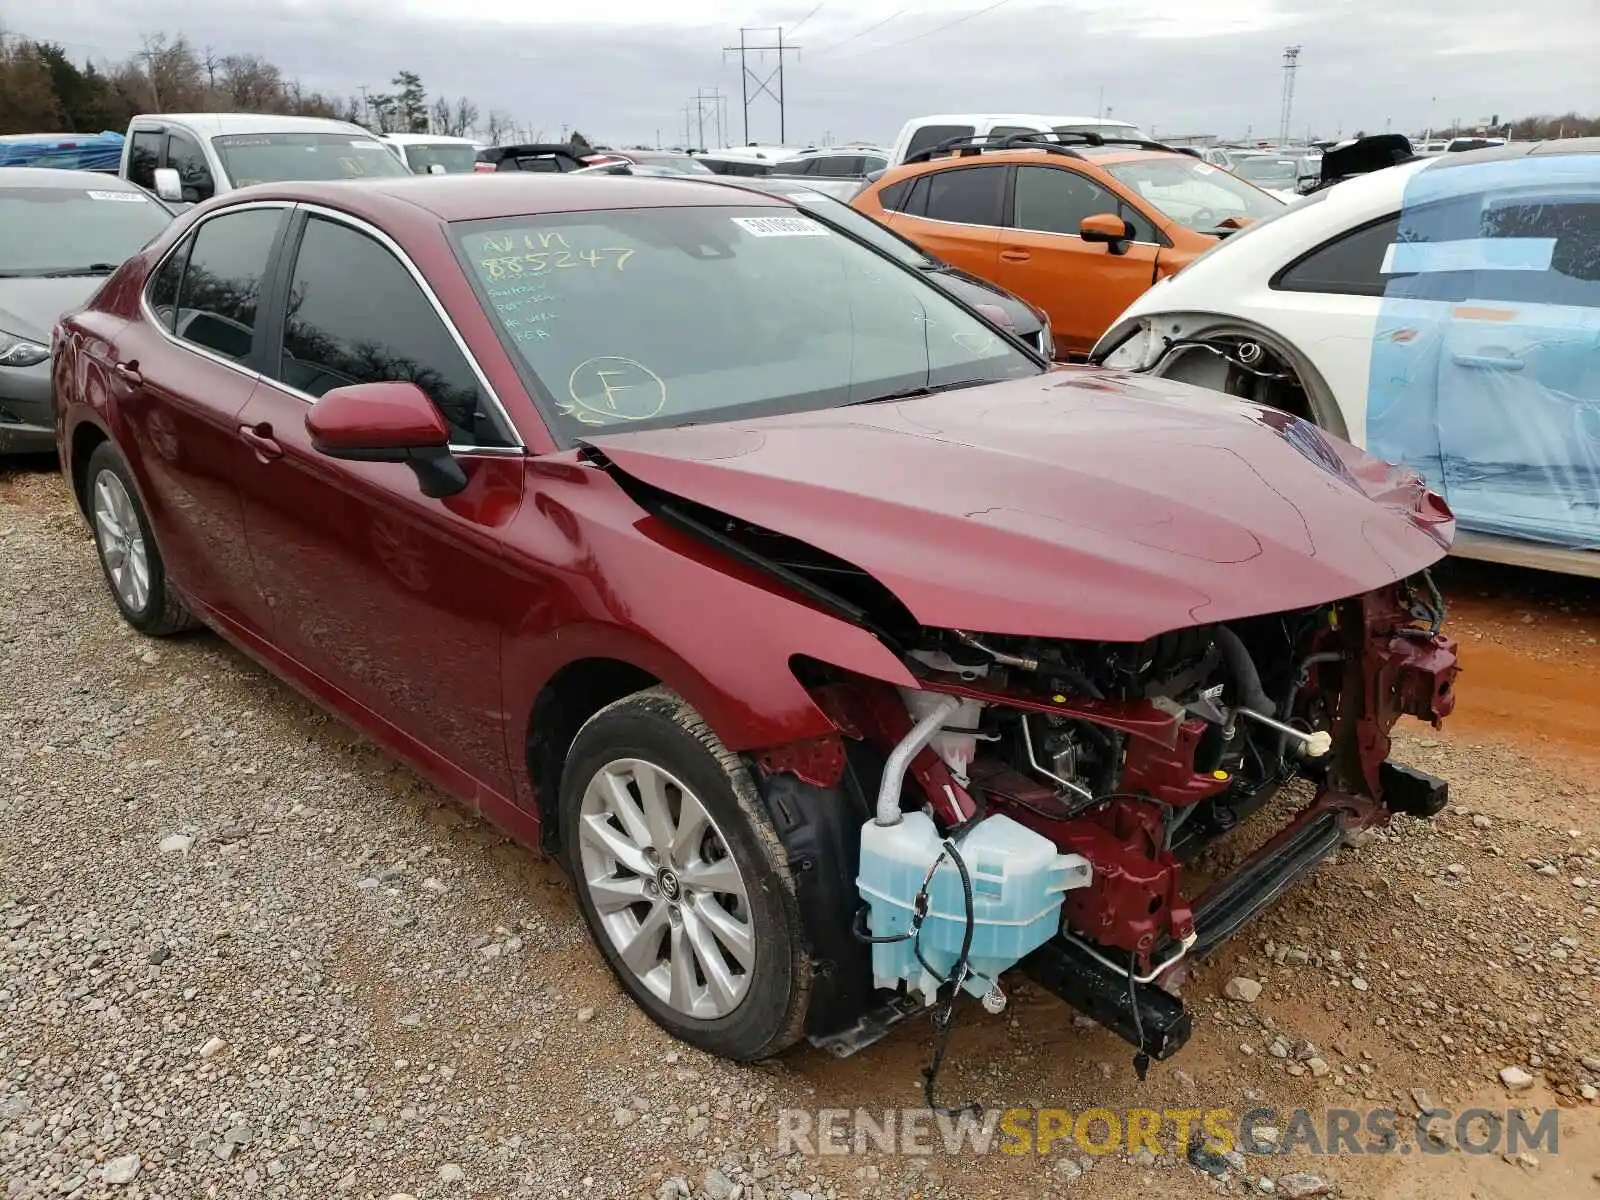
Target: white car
x=433, y=153
x=1443, y=313
x=189, y=157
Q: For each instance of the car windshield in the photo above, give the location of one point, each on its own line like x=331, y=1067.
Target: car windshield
x=1194, y=193
x=1265, y=170
x=638, y=318
x=454, y=157
x=74, y=231
x=276, y=157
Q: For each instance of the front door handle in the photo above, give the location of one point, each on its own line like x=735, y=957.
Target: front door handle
x=259, y=438
x=128, y=372
x=1488, y=362
x=1015, y=255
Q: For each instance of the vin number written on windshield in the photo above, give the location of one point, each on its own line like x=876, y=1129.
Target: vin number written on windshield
x=508, y=255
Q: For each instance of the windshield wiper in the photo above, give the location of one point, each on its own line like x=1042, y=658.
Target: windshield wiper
x=924, y=390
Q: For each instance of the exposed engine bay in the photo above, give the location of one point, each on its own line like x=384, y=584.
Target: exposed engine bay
x=1129, y=760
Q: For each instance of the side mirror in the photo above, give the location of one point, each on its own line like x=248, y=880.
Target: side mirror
x=387, y=422
x=169, y=185
x=1116, y=232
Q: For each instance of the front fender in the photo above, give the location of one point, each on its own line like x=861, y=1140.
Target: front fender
x=613, y=583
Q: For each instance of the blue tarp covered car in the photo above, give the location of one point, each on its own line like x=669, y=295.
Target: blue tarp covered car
x=1486, y=357
x=68, y=151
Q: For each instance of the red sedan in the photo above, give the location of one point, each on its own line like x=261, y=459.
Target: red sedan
x=705, y=545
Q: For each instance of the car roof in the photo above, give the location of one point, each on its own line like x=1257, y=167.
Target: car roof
x=471, y=197
x=1508, y=150
x=57, y=177
x=226, y=123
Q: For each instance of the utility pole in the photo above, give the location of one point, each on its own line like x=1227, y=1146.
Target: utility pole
x=366, y=108
x=698, y=102
x=762, y=83
x=1291, y=61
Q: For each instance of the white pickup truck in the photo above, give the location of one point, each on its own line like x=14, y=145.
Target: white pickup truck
x=189, y=157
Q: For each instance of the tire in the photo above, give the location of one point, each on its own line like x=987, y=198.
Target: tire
x=122, y=537
x=741, y=993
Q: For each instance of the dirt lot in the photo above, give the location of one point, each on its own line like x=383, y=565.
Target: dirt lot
x=243, y=953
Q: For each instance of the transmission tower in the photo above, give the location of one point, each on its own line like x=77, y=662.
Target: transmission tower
x=1291, y=60
x=761, y=83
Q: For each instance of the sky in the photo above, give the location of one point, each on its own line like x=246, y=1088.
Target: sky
x=624, y=70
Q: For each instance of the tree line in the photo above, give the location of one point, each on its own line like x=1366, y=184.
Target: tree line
x=43, y=90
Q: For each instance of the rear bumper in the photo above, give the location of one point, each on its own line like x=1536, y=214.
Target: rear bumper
x=1151, y=1018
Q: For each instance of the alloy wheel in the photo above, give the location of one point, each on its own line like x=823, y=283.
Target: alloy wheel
x=667, y=891
x=121, y=540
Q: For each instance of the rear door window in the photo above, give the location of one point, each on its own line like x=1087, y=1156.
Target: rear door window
x=1350, y=265
x=221, y=289
x=968, y=196
x=841, y=166
x=1562, y=234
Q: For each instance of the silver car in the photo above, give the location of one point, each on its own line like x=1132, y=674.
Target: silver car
x=61, y=234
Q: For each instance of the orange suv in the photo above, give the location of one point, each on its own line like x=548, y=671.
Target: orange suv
x=1078, y=224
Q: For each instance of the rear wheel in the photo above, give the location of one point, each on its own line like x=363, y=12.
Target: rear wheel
x=128, y=554
x=682, y=880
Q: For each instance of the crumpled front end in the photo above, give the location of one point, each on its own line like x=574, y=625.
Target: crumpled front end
x=1107, y=768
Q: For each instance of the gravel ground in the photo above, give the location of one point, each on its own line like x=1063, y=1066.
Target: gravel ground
x=244, y=953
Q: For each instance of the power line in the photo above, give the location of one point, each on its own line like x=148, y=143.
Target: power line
x=762, y=83
x=917, y=37
x=869, y=29
x=807, y=17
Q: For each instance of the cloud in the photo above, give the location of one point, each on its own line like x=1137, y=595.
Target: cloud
x=624, y=70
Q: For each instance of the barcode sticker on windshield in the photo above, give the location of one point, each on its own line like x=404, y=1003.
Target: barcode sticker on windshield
x=122, y=197
x=780, y=226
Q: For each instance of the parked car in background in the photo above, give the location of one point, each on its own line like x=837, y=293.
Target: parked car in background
x=547, y=158
x=922, y=133
x=834, y=164
x=1079, y=227
x=189, y=157
x=1444, y=313
x=423, y=152
x=668, y=161
x=1278, y=172
x=1458, y=145
x=61, y=234
x=728, y=164
x=655, y=518
x=65, y=151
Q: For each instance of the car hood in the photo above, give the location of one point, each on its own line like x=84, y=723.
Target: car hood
x=29, y=306
x=1081, y=503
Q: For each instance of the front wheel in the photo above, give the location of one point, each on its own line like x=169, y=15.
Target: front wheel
x=682, y=879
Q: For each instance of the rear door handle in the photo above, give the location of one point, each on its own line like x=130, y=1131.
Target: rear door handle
x=128, y=372
x=1488, y=362
x=259, y=438
x=1015, y=255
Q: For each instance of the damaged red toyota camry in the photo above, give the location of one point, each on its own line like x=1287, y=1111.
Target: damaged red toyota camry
x=847, y=654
